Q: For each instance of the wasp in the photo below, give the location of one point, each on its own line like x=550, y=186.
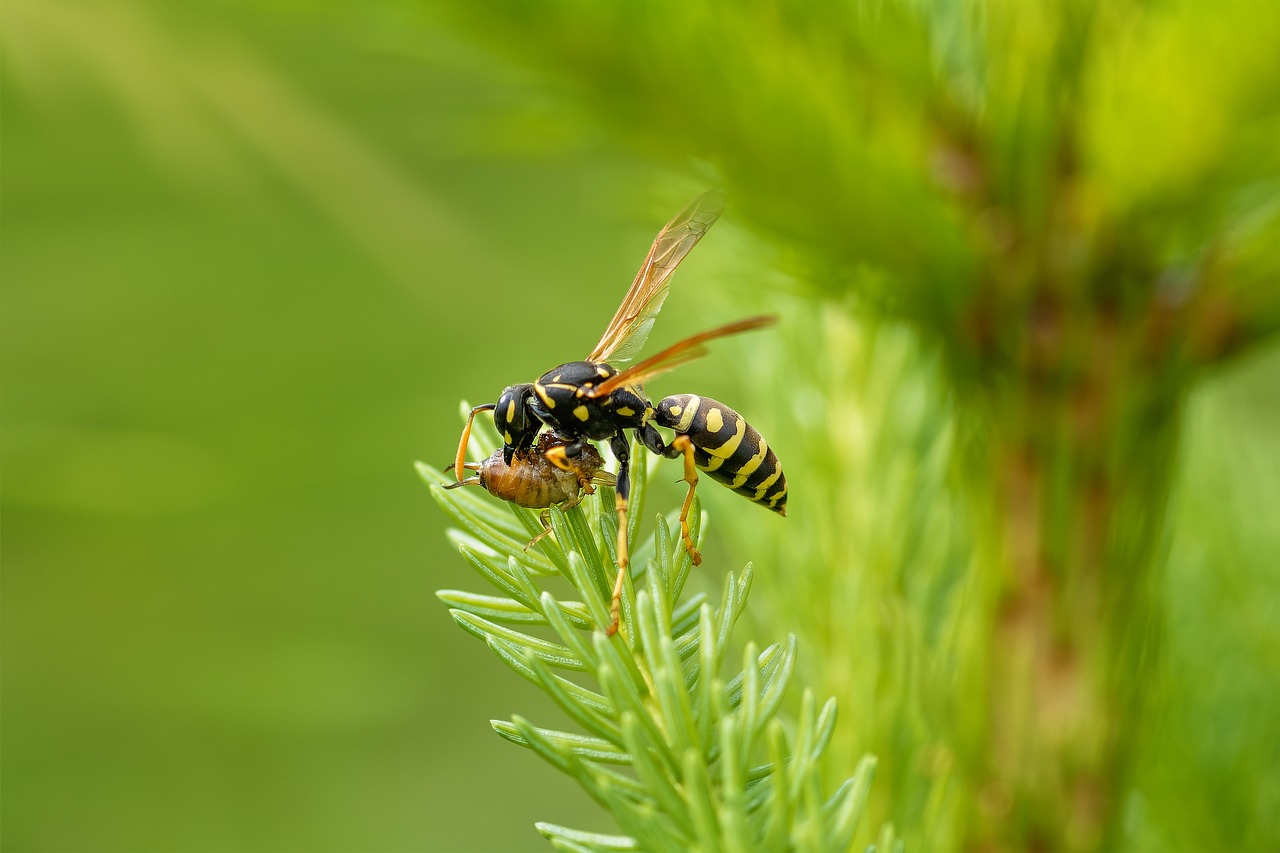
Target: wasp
x=600, y=399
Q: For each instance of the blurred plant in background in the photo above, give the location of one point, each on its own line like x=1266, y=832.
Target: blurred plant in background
x=1027, y=259
x=1075, y=221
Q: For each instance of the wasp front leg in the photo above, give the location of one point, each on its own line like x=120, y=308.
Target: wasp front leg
x=562, y=457
x=561, y=454
x=681, y=445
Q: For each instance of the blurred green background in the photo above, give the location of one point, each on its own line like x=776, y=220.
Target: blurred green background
x=253, y=256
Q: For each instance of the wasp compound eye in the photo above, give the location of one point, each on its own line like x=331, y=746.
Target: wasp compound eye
x=511, y=418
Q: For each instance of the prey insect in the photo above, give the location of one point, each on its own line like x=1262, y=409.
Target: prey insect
x=531, y=480
x=597, y=400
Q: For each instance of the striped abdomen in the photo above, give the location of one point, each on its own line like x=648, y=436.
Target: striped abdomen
x=727, y=448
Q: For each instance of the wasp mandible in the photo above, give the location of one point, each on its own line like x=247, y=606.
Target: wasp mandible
x=594, y=400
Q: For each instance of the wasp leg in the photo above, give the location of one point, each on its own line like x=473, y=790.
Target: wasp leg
x=561, y=458
x=680, y=445
x=622, y=451
x=459, y=463
x=685, y=446
x=560, y=455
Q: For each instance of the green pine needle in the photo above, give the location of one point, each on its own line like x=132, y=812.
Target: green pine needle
x=681, y=756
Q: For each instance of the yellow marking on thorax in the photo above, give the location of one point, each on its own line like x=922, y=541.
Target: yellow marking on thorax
x=544, y=396
x=511, y=410
x=581, y=413
x=626, y=411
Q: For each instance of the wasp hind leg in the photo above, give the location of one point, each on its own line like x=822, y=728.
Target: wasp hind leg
x=681, y=445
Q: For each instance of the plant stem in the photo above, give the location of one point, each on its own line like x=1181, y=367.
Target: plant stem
x=1081, y=485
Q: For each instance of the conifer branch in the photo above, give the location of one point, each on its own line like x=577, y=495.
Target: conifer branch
x=682, y=756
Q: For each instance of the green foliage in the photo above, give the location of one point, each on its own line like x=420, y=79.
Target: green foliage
x=1025, y=258
x=972, y=154
x=683, y=757
x=1069, y=209
x=888, y=600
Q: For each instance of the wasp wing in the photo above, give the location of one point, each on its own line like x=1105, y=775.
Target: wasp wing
x=675, y=355
x=630, y=326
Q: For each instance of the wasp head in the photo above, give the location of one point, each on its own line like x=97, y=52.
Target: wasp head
x=511, y=417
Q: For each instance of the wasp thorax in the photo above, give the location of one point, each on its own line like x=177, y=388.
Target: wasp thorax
x=567, y=402
x=576, y=374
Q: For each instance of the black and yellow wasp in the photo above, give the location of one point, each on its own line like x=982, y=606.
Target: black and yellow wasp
x=594, y=400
